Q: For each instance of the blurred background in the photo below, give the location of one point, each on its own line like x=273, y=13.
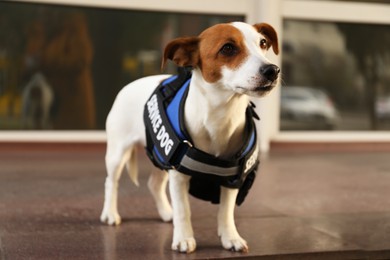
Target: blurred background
x=61, y=66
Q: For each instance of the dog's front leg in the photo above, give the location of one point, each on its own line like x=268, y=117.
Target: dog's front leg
x=183, y=235
x=227, y=230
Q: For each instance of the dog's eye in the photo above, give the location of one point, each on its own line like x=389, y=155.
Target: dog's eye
x=228, y=49
x=264, y=44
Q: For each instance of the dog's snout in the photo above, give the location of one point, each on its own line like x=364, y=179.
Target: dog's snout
x=270, y=71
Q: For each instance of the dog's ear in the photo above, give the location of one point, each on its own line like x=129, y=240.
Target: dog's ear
x=183, y=51
x=269, y=32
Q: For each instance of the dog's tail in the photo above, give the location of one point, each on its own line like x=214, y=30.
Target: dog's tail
x=132, y=165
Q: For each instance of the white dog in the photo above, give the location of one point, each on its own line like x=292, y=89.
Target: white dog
x=229, y=65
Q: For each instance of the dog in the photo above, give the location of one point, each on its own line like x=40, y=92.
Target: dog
x=37, y=100
x=228, y=66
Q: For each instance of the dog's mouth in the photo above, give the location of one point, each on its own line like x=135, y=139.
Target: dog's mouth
x=263, y=88
x=259, y=90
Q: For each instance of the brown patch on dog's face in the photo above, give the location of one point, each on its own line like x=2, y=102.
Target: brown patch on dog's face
x=220, y=45
x=269, y=32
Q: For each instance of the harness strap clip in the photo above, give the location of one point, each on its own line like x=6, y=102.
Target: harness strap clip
x=188, y=143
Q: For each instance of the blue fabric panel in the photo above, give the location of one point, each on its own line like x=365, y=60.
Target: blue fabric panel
x=169, y=80
x=250, y=144
x=160, y=158
x=173, y=110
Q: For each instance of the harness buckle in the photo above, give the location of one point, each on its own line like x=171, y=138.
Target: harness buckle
x=188, y=143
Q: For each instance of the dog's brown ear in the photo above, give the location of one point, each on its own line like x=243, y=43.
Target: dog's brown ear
x=183, y=51
x=269, y=32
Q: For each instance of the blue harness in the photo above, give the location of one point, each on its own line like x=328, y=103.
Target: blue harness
x=169, y=146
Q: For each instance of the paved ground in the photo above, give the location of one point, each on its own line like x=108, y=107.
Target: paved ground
x=304, y=205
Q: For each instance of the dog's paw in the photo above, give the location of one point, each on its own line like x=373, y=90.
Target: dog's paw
x=236, y=244
x=187, y=245
x=110, y=218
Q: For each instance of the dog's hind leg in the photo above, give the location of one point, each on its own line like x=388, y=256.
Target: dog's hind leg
x=227, y=230
x=115, y=161
x=157, y=184
x=132, y=165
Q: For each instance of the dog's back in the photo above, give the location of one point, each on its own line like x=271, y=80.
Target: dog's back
x=125, y=121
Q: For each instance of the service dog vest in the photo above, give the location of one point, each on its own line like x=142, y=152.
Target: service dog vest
x=170, y=147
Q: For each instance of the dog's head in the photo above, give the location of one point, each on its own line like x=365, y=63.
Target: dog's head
x=231, y=56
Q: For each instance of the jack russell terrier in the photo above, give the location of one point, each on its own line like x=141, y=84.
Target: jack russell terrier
x=209, y=147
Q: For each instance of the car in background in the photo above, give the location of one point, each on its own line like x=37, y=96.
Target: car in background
x=305, y=108
x=383, y=108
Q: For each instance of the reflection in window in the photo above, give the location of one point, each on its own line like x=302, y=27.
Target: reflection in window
x=61, y=67
x=349, y=64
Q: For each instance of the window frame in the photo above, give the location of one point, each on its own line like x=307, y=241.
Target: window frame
x=220, y=7
x=335, y=11
x=331, y=11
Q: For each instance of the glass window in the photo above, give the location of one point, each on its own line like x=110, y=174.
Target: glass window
x=336, y=76
x=61, y=67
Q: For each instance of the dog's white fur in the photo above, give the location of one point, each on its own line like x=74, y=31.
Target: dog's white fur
x=215, y=119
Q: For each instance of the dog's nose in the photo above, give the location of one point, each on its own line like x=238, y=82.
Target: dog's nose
x=270, y=71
